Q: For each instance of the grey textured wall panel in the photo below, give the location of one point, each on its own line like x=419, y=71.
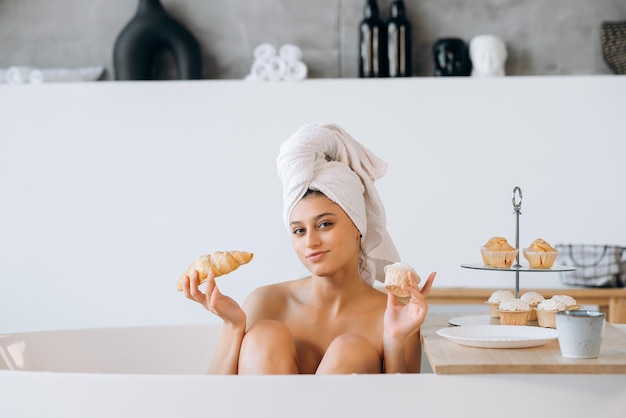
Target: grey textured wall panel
x=544, y=37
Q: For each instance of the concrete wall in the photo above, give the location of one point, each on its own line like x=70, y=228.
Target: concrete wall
x=544, y=37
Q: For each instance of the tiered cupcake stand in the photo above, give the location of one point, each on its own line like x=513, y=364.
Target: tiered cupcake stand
x=484, y=331
x=517, y=267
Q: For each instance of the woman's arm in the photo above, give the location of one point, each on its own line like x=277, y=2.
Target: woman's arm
x=402, y=355
x=226, y=356
x=401, y=336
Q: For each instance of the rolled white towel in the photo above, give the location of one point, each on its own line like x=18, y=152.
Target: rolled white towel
x=259, y=71
x=38, y=76
x=35, y=76
x=296, y=71
x=290, y=53
x=251, y=77
x=277, y=69
x=17, y=74
x=264, y=51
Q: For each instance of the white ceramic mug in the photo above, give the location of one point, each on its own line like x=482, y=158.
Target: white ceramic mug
x=580, y=333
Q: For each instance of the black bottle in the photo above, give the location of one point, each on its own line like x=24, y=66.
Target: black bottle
x=399, y=44
x=150, y=35
x=373, y=51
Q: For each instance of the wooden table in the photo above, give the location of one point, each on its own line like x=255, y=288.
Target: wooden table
x=610, y=301
x=447, y=357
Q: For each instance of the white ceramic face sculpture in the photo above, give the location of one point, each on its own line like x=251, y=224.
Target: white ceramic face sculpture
x=488, y=54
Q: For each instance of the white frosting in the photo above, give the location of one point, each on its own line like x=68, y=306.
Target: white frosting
x=552, y=304
x=396, y=275
x=532, y=298
x=513, y=305
x=403, y=266
x=567, y=300
x=500, y=295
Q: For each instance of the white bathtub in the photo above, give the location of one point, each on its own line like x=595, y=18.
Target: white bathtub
x=158, y=371
x=184, y=349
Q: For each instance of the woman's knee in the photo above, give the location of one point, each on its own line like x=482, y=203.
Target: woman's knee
x=350, y=353
x=268, y=348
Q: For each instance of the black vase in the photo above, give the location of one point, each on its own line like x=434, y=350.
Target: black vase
x=451, y=57
x=151, y=36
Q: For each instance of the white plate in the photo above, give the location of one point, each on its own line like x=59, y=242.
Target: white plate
x=474, y=320
x=499, y=336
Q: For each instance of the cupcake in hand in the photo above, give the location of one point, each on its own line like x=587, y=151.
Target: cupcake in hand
x=396, y=275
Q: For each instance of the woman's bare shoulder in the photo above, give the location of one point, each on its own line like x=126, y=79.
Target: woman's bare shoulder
x=276, y=290
x=269, y=300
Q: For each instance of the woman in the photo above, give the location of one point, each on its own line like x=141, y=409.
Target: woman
x=334, y=321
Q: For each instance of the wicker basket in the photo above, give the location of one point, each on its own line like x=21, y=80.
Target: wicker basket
x=613, y=38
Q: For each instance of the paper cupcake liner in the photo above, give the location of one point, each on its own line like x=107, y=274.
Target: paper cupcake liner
x=494, y=312
x=498, y=259
x=546, y=319
x=395, y=277
x=514, y=317
x=540, y=259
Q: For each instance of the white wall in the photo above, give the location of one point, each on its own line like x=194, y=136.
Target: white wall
x=109, y=190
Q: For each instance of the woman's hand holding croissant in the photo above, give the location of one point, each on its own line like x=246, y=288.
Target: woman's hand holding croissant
x=213, y=300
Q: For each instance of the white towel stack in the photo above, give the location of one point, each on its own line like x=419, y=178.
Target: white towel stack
x=17, y=74
x=22, y=74
x=282, y=65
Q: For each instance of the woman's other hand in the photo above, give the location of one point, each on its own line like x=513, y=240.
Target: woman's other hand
x=402, y=320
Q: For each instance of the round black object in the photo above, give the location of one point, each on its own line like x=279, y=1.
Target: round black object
x=150, y=35
x=451, y=57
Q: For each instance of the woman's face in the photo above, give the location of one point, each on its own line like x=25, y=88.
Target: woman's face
x=323, y=236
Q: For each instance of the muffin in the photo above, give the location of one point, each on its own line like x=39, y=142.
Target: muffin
x=495, y=299
x=497, y=252
x=514, y=312
x=570, y=302
x=396, y=275
x=532, y=299
x=540, y=254
x=546, y=312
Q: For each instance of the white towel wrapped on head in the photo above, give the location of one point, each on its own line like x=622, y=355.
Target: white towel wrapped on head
x=326, y=158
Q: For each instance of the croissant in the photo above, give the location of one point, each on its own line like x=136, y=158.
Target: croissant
x=220, y=262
